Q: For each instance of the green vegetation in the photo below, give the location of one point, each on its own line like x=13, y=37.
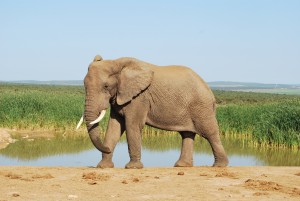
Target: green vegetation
x=268, y=119
x=32, y=107
x=295, y=91
x=234, y=97
x=274, y=124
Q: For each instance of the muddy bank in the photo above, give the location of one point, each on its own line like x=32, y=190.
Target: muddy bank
x=5, y=138
x=197, y=183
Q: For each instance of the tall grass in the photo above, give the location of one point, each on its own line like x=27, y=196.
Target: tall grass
x=24, y=107
x=275, y=124
x=279, y=124
x=268, y=119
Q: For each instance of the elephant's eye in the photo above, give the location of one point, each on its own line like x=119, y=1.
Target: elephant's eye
x=106, y=86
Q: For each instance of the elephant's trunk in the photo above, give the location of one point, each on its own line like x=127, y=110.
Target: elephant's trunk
x=93, y=129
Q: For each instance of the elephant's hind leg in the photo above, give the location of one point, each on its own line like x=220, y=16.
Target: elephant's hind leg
x=186, y=156
x=209, y=129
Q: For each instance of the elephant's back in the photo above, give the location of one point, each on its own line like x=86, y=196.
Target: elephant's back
x=181, y=85
x=181, y=78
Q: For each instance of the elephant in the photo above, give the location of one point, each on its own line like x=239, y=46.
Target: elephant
x=172, y=98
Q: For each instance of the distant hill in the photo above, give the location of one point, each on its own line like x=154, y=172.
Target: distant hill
x=51, y=82
x=219, y=85
x=256, y=87
x=223, y=85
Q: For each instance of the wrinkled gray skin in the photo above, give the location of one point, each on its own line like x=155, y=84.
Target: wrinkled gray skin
x=168, y=97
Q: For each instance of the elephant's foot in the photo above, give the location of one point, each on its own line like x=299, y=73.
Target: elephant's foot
x=182, y=163
x=221, y=162
x=134, y=165
x=105, y=164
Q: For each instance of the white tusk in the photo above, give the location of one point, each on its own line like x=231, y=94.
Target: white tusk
x=80, y=122
x=99, y=118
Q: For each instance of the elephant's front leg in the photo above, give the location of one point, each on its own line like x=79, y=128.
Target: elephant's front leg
x=134, y=126
x=134, y=140
x=114, y=131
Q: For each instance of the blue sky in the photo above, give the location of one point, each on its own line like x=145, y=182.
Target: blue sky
x=228, y=40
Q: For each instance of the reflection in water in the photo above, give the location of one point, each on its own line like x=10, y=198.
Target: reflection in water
x=158, y=150
x=30, y=149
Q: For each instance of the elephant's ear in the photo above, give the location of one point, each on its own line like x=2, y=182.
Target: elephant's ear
x=132, y=80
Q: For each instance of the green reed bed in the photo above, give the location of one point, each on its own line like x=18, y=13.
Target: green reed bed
x=28, y=107
x=268, y=119
x=280, y=125
x=273, y=124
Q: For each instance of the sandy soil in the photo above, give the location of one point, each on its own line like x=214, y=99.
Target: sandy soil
x=197, y=183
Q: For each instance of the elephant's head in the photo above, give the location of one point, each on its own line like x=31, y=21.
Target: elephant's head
x=110, y=81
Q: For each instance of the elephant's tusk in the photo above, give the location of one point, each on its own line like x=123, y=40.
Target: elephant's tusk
x=99, y=118
x=80, y=122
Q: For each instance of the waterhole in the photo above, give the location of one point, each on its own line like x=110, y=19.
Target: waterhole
x=157, y=151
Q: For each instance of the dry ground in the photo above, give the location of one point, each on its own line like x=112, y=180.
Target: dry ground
x=197, y=183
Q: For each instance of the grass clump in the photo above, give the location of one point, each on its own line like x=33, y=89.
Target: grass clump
x=279, y=125
x=26, y=107
x=272, y=124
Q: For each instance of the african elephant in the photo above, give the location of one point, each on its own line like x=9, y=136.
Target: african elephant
x=166, y=97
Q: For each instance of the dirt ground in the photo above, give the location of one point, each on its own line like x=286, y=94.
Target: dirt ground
x=197, y=183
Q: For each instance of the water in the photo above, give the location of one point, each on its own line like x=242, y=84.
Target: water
x=157, y=151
